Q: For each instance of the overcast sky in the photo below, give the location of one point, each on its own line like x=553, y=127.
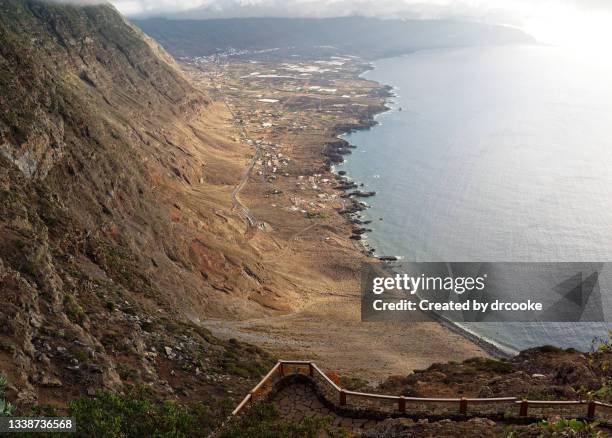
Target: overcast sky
x=502, y=9
x=548, y=20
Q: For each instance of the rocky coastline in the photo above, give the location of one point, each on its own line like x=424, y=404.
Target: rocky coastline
x=335, y=153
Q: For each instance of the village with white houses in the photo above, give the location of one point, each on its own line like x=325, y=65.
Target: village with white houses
x=293, y=115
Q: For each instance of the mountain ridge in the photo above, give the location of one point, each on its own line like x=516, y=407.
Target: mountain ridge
x=362, y=36
x=116, y=215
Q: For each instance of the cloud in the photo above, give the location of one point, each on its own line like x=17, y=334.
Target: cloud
x=309, y=8
x=81, y=2
x=512, y=12
x=158, y=7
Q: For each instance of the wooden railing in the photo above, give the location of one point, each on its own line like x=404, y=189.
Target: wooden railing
x=434, y=407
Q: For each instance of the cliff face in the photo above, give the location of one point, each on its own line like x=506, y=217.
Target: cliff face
x=116, y=226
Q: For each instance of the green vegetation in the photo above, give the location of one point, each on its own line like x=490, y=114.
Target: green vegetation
x=79, y=354
x=236, y=358
x=123, y=268
x=493, y=365
x=6, y=408
x=354, y=383
x=109, y=415
x=245, y=360
x=137, y=415
x=73, y=310
x=127, y=372
x=559, y=428
x=550, y=349
x=563, y=426
x=605, y=391
x=316, y=215
x=263, y=421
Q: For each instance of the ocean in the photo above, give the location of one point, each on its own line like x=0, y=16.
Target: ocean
x=493, y=154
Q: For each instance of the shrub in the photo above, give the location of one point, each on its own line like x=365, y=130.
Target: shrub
x=316, y=215
x=492, y=365
x=6, y=408
x=550, y=349
x=109, y=415
x=564, y=424
x=263, y=421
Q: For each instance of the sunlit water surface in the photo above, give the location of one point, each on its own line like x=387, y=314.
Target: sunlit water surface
x=497, y=154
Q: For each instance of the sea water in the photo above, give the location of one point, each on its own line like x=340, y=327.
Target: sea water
x=493, y=154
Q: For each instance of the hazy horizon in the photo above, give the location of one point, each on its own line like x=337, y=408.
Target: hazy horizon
x=561, y=22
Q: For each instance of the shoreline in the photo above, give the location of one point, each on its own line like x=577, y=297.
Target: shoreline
x=354, y=217
x=489, y=345
x=293, y=191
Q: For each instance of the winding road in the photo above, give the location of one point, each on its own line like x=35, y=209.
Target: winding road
x=237, y=204
x=244, y=210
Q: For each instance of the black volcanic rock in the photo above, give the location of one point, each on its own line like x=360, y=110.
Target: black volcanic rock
x=361, y=194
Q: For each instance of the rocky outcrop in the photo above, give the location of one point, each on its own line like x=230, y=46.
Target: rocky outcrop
x=539, y=373
x=362, y=194
x=406, y=428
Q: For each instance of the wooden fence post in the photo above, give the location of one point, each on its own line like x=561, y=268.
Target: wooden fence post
x=523, y=409
x=402, y=404
x=463, y=406
x=591, y=410
x=281, y=369
x=311, y=369
x=342, y=397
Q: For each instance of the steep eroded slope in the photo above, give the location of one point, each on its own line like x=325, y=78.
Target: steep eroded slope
x=116, y=226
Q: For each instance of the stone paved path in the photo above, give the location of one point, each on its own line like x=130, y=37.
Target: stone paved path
x=298, y=401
